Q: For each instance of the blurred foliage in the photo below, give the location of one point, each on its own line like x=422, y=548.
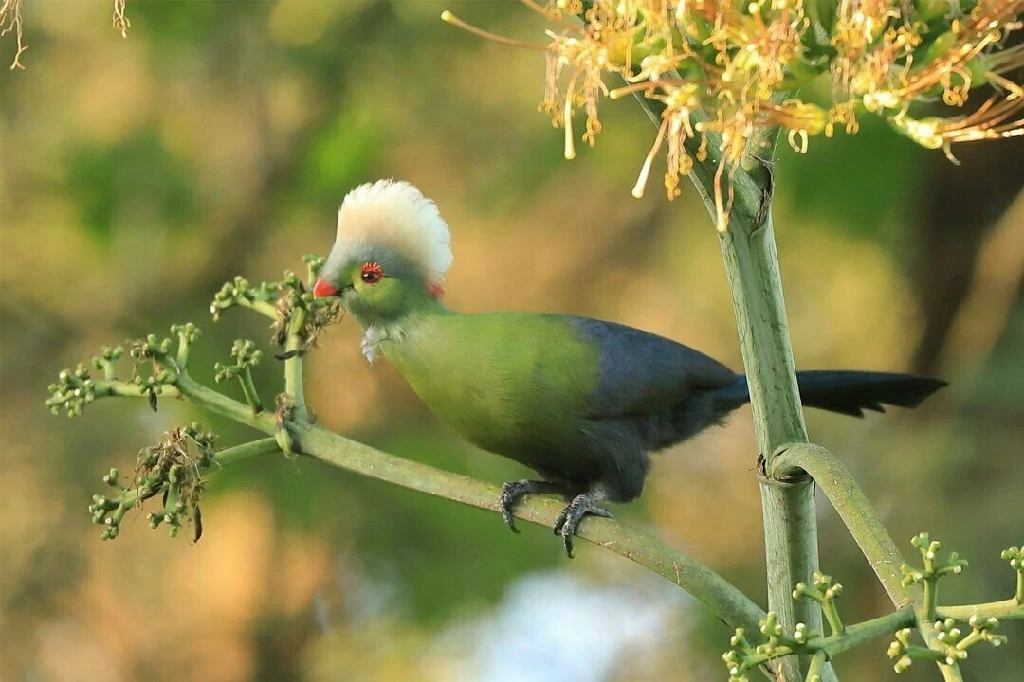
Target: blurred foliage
x=218, y=138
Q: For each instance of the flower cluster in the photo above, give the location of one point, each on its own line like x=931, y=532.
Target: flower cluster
x=723, y=71
x=174, y=468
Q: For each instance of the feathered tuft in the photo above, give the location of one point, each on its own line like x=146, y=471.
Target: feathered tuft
x=397, y=216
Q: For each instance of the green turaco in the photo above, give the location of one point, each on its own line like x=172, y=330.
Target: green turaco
x=580, y=401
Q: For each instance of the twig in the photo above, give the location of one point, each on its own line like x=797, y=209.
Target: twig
x=867, y=530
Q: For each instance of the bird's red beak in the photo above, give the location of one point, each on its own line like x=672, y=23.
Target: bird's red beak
x=323, y=288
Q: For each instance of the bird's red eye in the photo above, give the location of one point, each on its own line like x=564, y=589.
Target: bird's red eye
x=371, y=273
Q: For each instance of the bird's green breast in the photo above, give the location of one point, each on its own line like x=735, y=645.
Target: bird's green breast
x=512, y=383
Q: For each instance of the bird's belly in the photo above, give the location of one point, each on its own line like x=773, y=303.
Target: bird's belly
x=496, y=419
x=521, y=397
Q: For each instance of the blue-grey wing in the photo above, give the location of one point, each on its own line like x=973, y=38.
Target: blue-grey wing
x=643, y=373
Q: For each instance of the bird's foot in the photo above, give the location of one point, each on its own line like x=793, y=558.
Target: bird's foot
x=513, y=491
x=569, y=519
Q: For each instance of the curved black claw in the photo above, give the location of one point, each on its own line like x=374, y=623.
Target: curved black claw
x=569, y=519
x=513, y=491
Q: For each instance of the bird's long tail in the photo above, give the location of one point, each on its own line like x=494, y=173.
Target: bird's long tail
x=850, y=392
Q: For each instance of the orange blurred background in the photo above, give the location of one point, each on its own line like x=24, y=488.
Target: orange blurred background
x=218, y=139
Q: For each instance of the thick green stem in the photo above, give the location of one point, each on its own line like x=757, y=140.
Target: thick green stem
x=929, y=600
x=751, y=264
x=788, y=511
x=790, y=527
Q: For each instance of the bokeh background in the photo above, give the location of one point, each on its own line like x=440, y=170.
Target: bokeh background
x=218, y=139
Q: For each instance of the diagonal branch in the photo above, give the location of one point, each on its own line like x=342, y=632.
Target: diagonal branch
x=867, y=530
x=728, y=604
x=856, y=512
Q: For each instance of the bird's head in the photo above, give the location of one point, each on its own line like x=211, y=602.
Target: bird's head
x=392, y=252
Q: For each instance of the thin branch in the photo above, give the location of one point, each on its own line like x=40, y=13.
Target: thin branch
x=223, y=458
x=252, y=396
x=1008, y=609
x=239, y=453
x=860, y=633
x=223, y=405
x=867, y=530
x=856, y=512
x=261, y=307
x=121, y=389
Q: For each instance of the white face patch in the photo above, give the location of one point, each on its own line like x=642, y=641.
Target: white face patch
x=393, y=216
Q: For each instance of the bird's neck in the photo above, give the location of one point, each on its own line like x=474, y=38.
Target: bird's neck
x=398, y=329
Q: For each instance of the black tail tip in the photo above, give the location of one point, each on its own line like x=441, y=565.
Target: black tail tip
x=917, y=389
x=851, y=392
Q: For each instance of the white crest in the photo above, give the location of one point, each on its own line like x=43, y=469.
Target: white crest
x=397, y=216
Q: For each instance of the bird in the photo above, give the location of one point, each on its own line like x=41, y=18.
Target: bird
x=580, y=401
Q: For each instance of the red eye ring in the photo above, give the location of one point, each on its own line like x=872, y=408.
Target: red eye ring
x=371, y=272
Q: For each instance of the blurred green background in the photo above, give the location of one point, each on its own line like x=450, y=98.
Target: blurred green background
x=219, y=138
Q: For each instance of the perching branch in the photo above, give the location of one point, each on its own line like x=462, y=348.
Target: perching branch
x=177, y=467
x=723, y=599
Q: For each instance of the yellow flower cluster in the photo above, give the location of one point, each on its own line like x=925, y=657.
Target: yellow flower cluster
x=725, y=70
